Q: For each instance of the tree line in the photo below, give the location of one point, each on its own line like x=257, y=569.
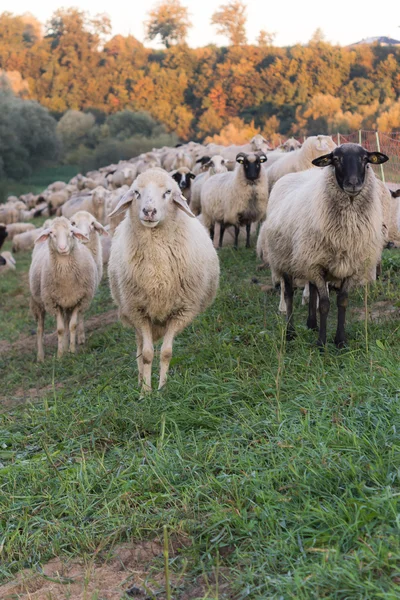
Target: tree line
x=224, y=93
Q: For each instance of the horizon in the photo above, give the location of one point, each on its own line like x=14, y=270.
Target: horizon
x=273, y=19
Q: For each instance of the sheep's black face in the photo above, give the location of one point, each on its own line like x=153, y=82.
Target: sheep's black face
x=350, y=162
x=251, y=164
x=183, y=179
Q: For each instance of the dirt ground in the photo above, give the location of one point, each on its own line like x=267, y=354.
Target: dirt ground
x=129, y=572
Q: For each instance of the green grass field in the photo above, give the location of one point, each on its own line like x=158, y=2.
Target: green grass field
x=275, y=467
x=38, y=181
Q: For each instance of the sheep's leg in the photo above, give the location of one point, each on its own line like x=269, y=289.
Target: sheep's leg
x=248, y=227
x=288, y=295
x=342, y=301
x=173, y=328
x=139, y=355
x=81, y=330
x=221, y=234
x=312, y=322
x=73, y=323
x=147, y=354
x=237, y=231
x=39, y=333
x=324, y=306
x=212, y=231
x=60, y=332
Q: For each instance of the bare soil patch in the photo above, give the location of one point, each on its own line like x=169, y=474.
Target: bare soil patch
x=378, y=311
x=129, y=572
x=26, y=344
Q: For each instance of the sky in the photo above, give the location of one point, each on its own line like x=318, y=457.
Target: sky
x=293, y=21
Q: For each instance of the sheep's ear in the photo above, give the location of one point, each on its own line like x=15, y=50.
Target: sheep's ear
x=377, y=158
x=99, y=228
x=123, y=204
x=43, y=236
x=323, y=161
x=181, y=203
x=191, y=175
x=395, y=194
x=78, y=234
x=175, y=175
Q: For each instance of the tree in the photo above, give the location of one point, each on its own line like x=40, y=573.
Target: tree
x=231, y=20
x=73, y=127
x=265, y=38
x=170, y=20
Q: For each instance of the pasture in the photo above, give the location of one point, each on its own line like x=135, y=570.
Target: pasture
x=272, y=468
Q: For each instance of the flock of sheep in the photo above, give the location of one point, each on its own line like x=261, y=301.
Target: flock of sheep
x=323, y=219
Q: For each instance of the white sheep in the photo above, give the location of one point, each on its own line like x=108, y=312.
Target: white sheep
x=94, y=202
x=92, y=229
x=300, y=160
x=23, y=242
x=236, y=198
x=214, y=165
x=163, y=268
x=15, y=228
x=62, y=280
x=325, y=226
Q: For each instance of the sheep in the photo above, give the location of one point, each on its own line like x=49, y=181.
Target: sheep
x=183, y=177
x=7, y=262
x=216, y=164
x=200, y=165
x=57, y=186
x=182, y=159
x=106, y=248
x=236, y=198
x=111, y=203
x=56, y=200
x=8, y=214
x=93, y=203
x=391, y=214
x=123, y=176
x=290, y=145
x=326, y=226
x=163, y=269
x=92, y=229
x=300, y=160
x=257, y=144
x=14, y=228
x=3, y=234
x=22, y=242
x=62, y=280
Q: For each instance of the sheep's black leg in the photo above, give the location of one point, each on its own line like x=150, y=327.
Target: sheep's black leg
x=237, y=231
x=288, y=293
x=248, y=227
x=324, y=306
x=221, y=234
x=312, y=322
x=212, y=230
x=379, y=269
x=342, y=301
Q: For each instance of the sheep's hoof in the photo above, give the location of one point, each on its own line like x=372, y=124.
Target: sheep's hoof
x=340, y=343
x=40, y=359
x=321, y=345
x=290, y=335
x=81, y=340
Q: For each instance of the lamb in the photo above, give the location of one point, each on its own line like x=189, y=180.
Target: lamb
x=325, y=226
x=62, y=279
x=163, y=268
x=300, y=160
x=215, y=164
x=14, y=228
x=236, y=198
x=92, y=229
x=183, y=177
x=7, y=262
x=94, y=203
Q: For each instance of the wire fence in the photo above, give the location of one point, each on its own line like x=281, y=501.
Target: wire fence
x=377, y=141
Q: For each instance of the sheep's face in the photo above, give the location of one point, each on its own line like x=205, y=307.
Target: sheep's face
x=87, y=224
x=62, y=236
x=350, y=162
x=183, y=179
x=251, y=164
x=152, y=196
x=217, y=164
x=259, y=143
x=292, y=144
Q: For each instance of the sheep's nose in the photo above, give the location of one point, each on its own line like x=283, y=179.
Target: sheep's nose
x=149, y=212
x=62, y=247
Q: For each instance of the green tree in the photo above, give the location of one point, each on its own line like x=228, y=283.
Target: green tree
x=230, y=20
x=169, y=20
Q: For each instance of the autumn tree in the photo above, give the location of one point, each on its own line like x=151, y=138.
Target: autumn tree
x=265, y=38
x=169, y=20
x=230, y=20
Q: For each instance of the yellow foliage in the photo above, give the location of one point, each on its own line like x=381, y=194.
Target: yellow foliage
x=236, y=132
x=390, y=120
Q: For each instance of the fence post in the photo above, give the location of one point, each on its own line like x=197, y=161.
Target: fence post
x=359, y=137
x=338, y=139
x=378, y=145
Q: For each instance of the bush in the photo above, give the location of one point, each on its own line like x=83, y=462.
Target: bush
x=126, y=124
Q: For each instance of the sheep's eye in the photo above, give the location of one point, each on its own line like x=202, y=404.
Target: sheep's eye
x=167, y=193
x=222, y=162
x=137, y=194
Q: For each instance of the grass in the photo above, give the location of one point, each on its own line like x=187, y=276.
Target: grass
x=38, y=181
x=280, y=465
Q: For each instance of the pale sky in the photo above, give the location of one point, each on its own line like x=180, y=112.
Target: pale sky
x=342, y=21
